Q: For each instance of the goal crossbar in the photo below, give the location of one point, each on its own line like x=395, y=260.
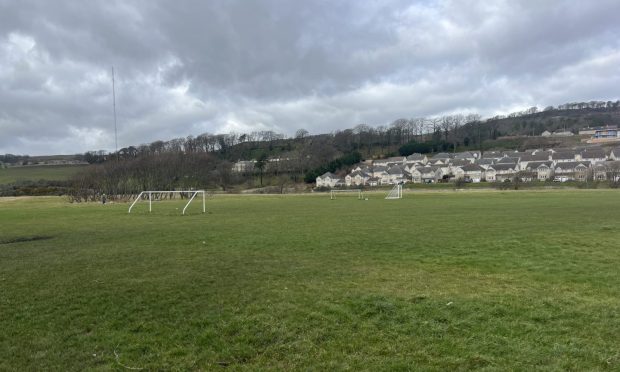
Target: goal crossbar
x=360, y=193
x=150, y=194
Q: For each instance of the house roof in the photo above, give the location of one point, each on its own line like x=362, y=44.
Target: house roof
x=395, y=170
x=540, y=156
x=593, y=153
x=441, y=155
x=463, y=155
x=459, y=162
x=358, y=173
x=572, y=164
x=327, y=174
x=502, y=167
x=414, y=157
x=396, y=159
x=508, y=160
x=472, y=168
x=564, y=155
x=538, y=164
x=428, y=170
x=492, y=155
x=485, y=161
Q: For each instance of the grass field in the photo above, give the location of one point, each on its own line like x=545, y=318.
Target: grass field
x=36, y=173
x=435, y=281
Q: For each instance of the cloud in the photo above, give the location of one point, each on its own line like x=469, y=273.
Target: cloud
x=192, y=67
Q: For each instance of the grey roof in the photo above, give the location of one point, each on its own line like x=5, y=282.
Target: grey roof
x=485, y=161
x=328, y=174
x=572, y=164
x=396, y=170
x=492, y=155
x=396, y=159
x=428, y=169
x=380, y=168
x=508, y=160
x=564, y=155
x=593, y=153
x=414, y=157
x=359, y=173
x=441, y=155
x=463, y=155
x=503, y=166
x=459, y=162
x=537, y=164
x=541, y=156
x=472, y=168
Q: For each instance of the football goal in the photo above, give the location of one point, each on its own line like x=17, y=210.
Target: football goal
x=358, y=192
x=149, y=196
x=396, y=192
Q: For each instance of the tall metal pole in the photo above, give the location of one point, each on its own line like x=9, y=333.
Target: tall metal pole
x=114, y=106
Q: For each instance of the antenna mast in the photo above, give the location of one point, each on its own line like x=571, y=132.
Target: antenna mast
x=114, y=106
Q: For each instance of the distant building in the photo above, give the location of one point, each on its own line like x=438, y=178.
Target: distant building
x=243, y=166
x=328, y=180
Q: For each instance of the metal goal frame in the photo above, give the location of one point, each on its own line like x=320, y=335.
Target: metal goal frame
x=396, y=192
x=360, y=193
x=150, y=198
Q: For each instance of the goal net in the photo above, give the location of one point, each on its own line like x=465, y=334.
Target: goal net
x=396, y=192
x=151, y=195
x=353, y=192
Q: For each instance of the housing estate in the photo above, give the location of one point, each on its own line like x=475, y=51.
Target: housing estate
x=574, y=164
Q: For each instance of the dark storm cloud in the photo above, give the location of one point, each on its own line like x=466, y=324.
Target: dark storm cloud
x=192, y=66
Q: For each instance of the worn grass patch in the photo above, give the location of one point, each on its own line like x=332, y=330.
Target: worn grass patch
x=435, y=281
x=22, y=239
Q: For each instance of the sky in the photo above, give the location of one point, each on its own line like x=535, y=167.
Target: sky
x=190, y=67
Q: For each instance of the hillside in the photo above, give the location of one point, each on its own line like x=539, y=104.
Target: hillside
x=265, y=158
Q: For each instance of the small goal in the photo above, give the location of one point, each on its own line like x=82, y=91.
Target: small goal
x=358, y=192
x=193, y=193
x=396, y=192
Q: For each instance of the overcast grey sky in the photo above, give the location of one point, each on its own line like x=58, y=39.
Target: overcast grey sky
x=189, y=67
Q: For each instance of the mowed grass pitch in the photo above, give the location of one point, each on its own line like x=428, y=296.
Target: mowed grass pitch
x=494, y=280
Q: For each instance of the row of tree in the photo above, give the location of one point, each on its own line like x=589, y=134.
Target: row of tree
x=207, y=160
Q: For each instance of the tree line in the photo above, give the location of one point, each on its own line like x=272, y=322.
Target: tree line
x=206, y=161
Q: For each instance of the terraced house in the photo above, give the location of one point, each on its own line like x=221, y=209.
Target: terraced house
x=579, y=164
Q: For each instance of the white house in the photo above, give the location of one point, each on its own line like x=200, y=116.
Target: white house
x=469, y=173
x=356, y=178
x=328, y=179
x=576, y=170
x=540, y=170
x=429, y=174
x=416, y=175
x=501, y=172
x=243, y=166
x=396, y=175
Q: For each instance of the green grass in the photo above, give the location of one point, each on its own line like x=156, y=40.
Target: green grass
x=36, y=173
x=435, y=281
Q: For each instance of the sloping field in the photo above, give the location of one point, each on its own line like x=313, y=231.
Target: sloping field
x=36, y=173
x=454, y=280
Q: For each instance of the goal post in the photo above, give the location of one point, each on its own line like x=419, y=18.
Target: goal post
x=359, y=192
x=396, y=192
x=150, y=193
